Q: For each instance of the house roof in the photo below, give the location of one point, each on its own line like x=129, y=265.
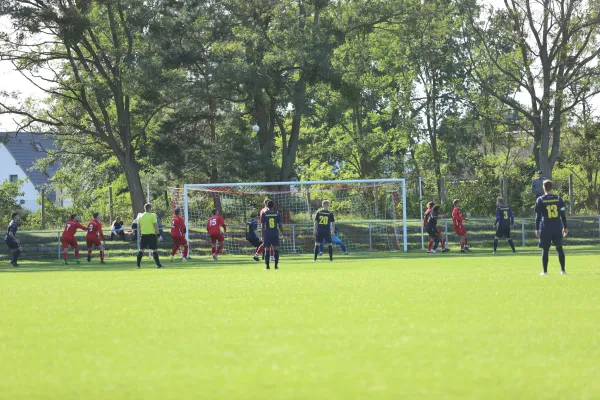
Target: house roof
x=26, y=149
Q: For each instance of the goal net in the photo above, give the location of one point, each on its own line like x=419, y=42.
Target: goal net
x=370, y=214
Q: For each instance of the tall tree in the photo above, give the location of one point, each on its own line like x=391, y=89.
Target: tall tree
x=88, y=57
x=548, y=49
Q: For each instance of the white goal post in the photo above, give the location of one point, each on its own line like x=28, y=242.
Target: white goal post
x=370, y=214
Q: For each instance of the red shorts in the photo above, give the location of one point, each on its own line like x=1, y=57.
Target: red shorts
x=219, y=237
x=93, y=241
x=179, y=240
x=66, y=242
x=460, y=230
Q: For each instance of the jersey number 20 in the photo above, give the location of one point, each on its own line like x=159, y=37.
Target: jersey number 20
x=552, y=211
x=323, y=220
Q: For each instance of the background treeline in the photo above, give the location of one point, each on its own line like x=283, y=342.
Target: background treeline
x=455, y=92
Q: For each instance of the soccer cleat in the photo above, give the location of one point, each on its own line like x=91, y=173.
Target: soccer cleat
x=468, y=250
x=14, y=264
x=462, y=251
x=267, y=268
x=543, y=273
x=445, y=250
x=331, y=259
x=215, y=257
x=255, y=258
x=428, y=251
x=346, y=253
x=171, y=258
x=514, y=252
x=138, y=267
x=89, y=258
x=432, y=252
x=76, y=261
x=102, y=262
x=314, y=260
x=64, y=262
x=494, y=252
x=563, y=272
x=272, y=258
x=276, y=267
x=184, y=260
x=159, y=266
x=320, y=254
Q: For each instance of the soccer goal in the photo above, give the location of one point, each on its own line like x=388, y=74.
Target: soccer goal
x=370, y=214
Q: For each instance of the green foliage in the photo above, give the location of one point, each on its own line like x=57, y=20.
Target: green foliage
x=9, y=191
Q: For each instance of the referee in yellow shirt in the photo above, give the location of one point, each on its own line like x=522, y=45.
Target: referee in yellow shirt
x=148, y=227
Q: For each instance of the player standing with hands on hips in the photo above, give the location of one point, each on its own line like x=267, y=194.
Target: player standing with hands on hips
x=148, y=227
x=323, y=227
x=551, y=225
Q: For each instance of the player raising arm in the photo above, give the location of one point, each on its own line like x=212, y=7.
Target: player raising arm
x=441, y=237
x=92, y=239
x=459, y=228
x=213, y=227
x=323, y=226
x=178, y=230
x=68, y=238
x=550, y=225
x=504, y=220
x=12, y=240
x=272, y=227
x=253, y=238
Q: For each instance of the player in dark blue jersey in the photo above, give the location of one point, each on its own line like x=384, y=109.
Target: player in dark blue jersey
x=12, y=240
x=551, y=225
x=504, y=220
x=432, y=228
x=252, y=236
x=271, y=229
x=323, y=226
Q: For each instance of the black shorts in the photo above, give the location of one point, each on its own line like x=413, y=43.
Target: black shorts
x=548, y=238
x=148, y=242
x=12, y=244
x=256, y=242
x=322, y=236
x=433, y=233
x=503, y=232
x=271, y=240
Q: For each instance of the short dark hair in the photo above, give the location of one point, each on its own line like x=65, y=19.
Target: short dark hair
x=540, y=173
x=148, y=207
x=500, y=200
x=13, y=215
x=177, y=211
x=455, y=202
x=436, y=209
x=95, y=215
x=271, y=204
x=430, y=204
x=548, y=185
x=73, y=216
x=215, y=211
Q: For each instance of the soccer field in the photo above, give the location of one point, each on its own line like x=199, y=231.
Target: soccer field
x=363, y=327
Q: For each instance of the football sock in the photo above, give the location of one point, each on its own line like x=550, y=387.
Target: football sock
x=495, y=244
x=220, y=248
x=101, y=255
x=330, y=248
x=430, y=245
x=561, y=257
x=443, y=243
x=511, y=244
x=15, y=256
x=272, y=252
x=139, y=257
x=174, y=250
x=186, y=249
x=64, y=256
x=276, y=257
x=213, y=250
x=156, y=259
x=267, y=259
x=545, y=259
x=466, y=242
x=316, y=252
x=90, y=251
x=76, y=252
x=260, y=249
x=343, y=247
x=321, y=248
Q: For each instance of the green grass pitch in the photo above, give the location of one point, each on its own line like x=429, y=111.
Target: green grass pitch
x=369, y=326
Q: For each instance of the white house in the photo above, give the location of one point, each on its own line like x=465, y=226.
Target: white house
x=18, y=154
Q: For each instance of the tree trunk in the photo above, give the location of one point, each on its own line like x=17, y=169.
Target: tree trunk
x=134, y=183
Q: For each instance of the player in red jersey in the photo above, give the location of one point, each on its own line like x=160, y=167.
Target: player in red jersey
x=68, y=237
x=178, y=231
x=439, y=231
x=213, y=227
x=261, y=248
x=459, y=228
x=94, y=233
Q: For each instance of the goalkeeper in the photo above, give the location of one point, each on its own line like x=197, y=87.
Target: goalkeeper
x=253, y=238
x=335, y=240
